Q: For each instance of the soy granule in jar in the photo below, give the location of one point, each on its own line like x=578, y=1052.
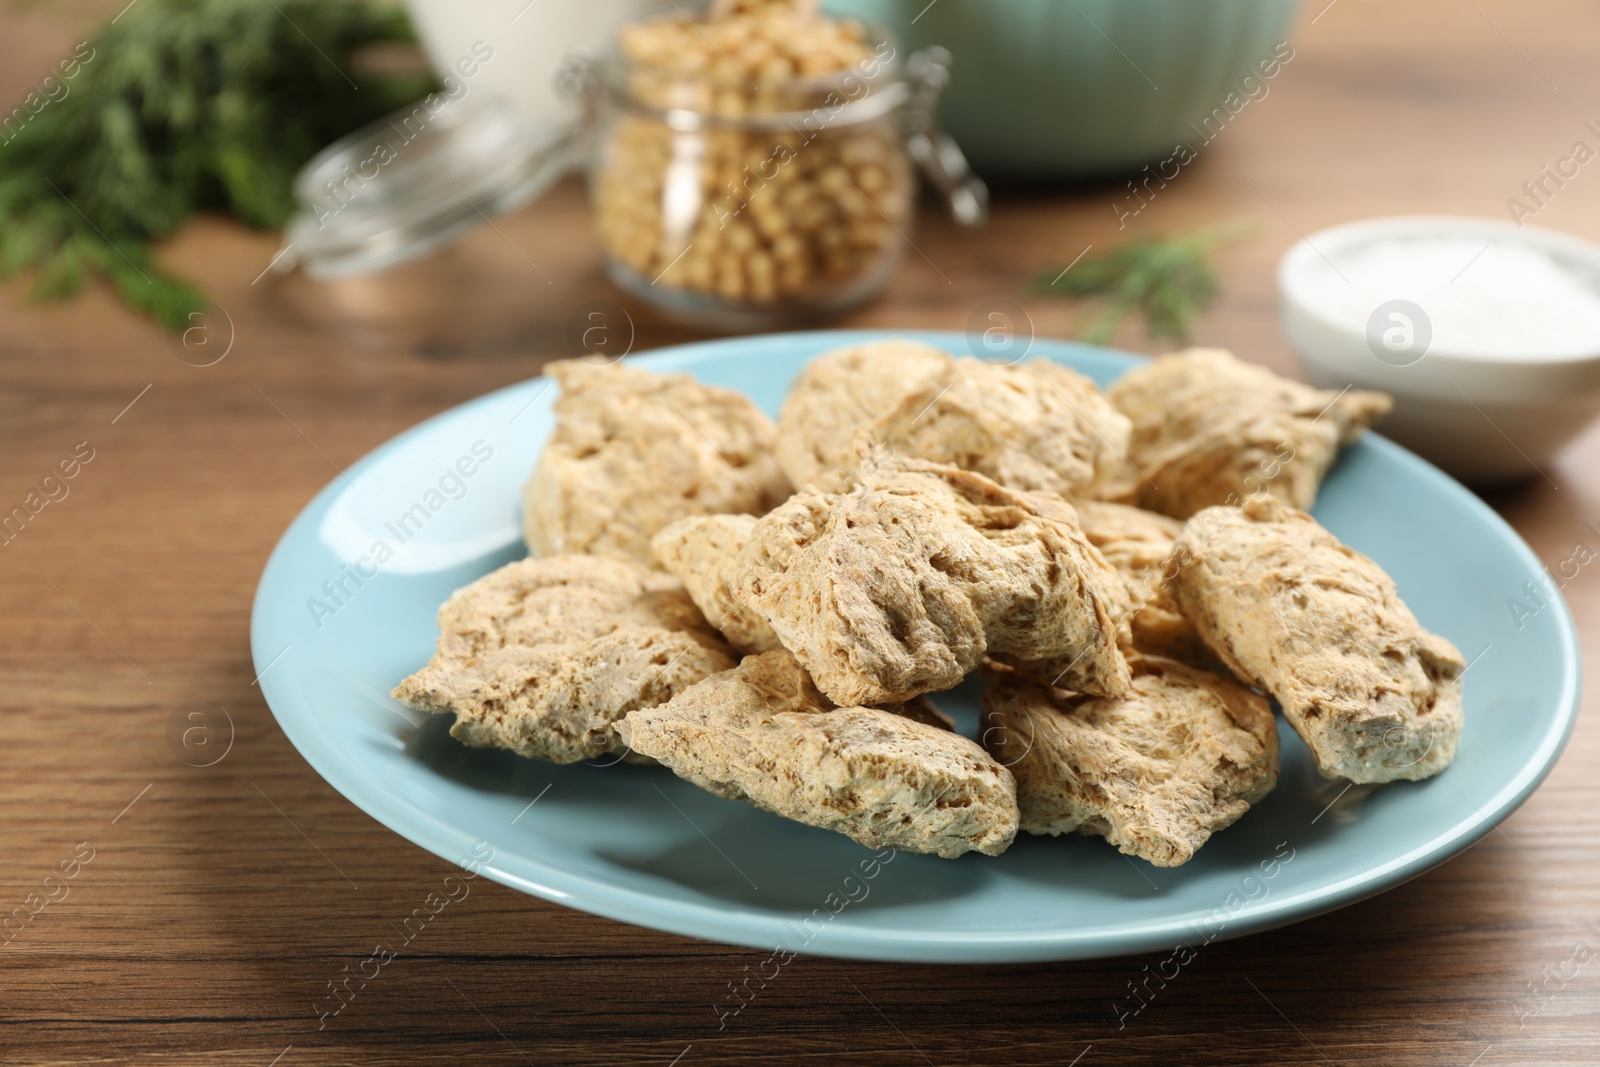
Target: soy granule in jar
x=739, y=209
x=737, y=47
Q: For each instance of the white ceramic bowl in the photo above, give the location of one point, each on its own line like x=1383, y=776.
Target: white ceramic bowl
x=525, y=41
x=1483, y=417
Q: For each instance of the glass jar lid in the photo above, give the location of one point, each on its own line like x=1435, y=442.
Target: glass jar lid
x=414, y=181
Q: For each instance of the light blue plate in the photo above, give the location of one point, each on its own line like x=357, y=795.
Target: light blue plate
x=644, y=847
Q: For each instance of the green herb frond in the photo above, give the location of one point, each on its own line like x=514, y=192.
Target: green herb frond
x=1167, y=280
x=179, y=107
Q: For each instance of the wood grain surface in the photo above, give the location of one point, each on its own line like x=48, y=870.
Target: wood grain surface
x=219, y=902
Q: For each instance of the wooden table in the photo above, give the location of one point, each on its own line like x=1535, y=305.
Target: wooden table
x=220, y=901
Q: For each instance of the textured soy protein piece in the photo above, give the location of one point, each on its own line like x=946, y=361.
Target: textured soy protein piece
x=1030, y=426
x=901, y=585
x=1209, y=429
x=1138, y=543
x=1156, y=772
x=763, y=733
x=700, y=550
x=542, y=656
x=633, y=451
x=1322, y=628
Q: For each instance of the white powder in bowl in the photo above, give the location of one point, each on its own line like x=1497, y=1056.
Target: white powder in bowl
x=1508, y=299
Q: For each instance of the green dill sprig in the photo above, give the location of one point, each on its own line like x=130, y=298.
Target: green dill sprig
x=181, y=106
x=1168, y=280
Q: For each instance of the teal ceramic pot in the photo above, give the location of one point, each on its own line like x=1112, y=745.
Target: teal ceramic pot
x=1091, y=88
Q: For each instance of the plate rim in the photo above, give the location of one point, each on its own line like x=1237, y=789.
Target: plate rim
x=741, y=925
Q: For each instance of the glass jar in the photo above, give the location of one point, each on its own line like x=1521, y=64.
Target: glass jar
x=745, y=204
x=740, y=197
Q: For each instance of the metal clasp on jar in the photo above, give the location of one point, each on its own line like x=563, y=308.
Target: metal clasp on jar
x=939, y=157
